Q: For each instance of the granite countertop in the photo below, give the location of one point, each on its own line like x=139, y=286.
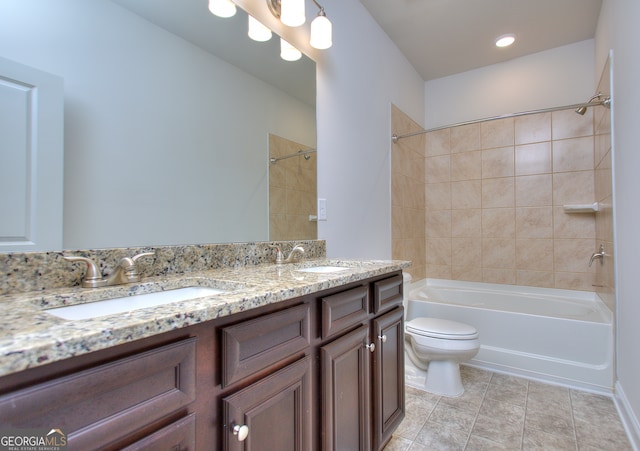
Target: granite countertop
x=30, y=337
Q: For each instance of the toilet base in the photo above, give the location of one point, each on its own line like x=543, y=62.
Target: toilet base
x=442, y=379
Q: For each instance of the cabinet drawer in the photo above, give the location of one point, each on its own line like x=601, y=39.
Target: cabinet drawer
x=178, y=436
x=387, y=293
x=343, y=310
x=97, y=406
x=254, y=345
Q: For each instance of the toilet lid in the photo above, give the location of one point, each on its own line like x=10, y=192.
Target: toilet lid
x=441, y=328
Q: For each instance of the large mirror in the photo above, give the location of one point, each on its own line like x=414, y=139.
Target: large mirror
x=168, y=113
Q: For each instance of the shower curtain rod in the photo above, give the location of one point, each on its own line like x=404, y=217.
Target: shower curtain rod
x=606, y=102
x=299, y=153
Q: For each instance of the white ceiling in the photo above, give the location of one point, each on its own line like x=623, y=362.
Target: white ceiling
x=445, y=37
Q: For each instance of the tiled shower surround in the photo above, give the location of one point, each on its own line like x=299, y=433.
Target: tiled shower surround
x=292, y=192
x=489, y=206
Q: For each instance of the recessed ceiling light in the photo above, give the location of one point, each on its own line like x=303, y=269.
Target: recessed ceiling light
x=505, y=40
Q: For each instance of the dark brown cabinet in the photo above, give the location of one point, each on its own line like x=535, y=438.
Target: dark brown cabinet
x=273, y=414
x=363, y=370
x=321, y=372
x=388, y=375
x=345, y=376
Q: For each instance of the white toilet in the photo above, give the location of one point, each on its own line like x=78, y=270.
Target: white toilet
x=436, y=347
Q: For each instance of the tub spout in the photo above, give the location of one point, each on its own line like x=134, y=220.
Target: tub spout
x=598, y=255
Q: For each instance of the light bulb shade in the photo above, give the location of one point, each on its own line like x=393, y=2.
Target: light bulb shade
x=292, y=12
x=321, y=33
x=222, y=8
x=289, y=52
x=257, y=31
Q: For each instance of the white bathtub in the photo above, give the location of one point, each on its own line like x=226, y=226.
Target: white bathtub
x=558, y=336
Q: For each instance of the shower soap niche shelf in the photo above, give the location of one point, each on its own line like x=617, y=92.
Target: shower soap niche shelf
x=582, y=208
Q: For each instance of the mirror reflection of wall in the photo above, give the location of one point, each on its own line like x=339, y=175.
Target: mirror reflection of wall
x=292, y=190
x=164, y=142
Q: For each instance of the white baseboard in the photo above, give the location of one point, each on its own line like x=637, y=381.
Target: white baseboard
x=627, y=416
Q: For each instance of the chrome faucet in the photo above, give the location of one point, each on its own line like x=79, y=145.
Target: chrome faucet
x=125, y=272
x=294, y=256
x=598, y=255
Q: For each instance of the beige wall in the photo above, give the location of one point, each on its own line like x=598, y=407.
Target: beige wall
x=292, y=192
x=494, y=197
x=408, y=195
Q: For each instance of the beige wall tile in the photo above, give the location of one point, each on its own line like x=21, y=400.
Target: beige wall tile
x=572, y=255
x=573, y=154
x=573, y=188
x=498, y=223
x=438, y=196
x=439, y=271
x=543, y=279
x=466, y=166
x=533, y=158
x=465, y=138
x=505, y=223
x=534, y=222
x=466, y=252
x=466, y=194
x=438, y=142
x=499, y=253
x=414, y=196
x=534, y=190
x=437, y=169
x=466, y=273
x=602, y=145
x=603, y=183
x=439, y=251
x=498, y=192
x=574, y=281
x=534, y=254
x=497, y=133
x=498, y=162
x=533, y=128
x=568, y=124
x=438, y=224
x=568, y=225
x=503, y=276
x=466, y=223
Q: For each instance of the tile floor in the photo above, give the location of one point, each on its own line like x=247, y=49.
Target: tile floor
x=499, y=412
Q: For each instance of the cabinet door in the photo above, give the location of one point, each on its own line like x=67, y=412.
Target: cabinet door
x=273, y=414
x=345, y=392
x=388, y=375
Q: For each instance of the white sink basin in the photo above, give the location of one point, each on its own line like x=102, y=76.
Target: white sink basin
x=323, y=269
x=129, y=303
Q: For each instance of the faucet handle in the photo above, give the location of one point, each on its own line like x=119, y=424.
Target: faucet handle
x=279, y=257
x=135, y=258
x=92, y=274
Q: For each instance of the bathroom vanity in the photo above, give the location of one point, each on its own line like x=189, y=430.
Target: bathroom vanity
x=299, y=361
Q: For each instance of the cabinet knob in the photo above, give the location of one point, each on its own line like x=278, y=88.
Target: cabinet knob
x=241, y=432
x=383, y=338
x=371, y=347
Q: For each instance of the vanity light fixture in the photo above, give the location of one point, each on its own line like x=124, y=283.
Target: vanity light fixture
x=292, y=12
x=222, y=8
x=505, y=40
x=257, y=31
x=321, y=28
x=289, y=52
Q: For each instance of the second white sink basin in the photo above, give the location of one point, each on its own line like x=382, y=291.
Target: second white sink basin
x=323, y=269
x=129, y=303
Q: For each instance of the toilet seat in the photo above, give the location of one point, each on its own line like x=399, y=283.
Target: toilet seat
x=441, y=328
